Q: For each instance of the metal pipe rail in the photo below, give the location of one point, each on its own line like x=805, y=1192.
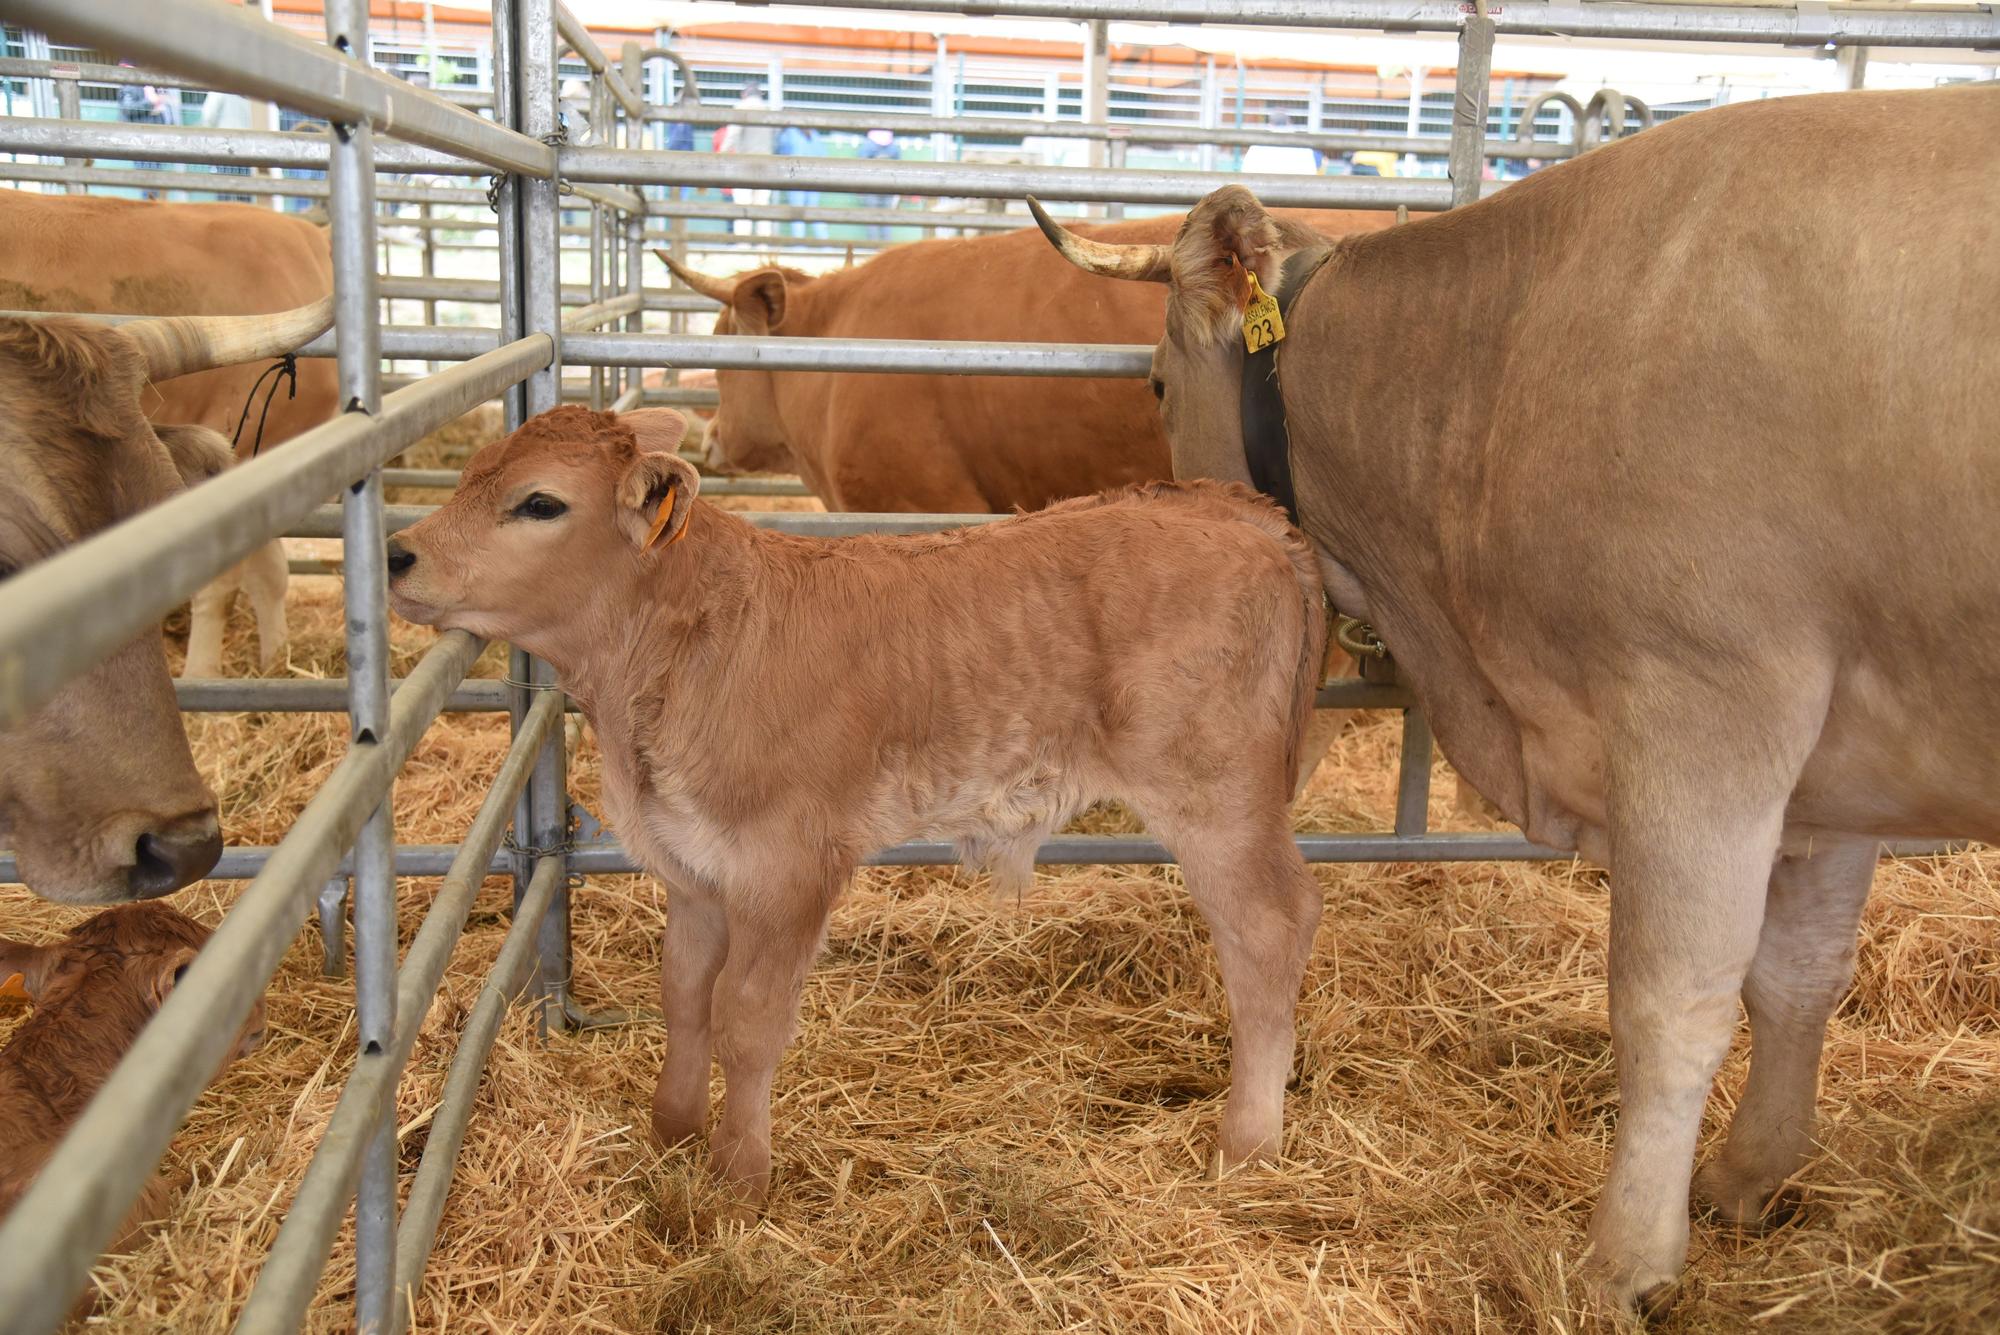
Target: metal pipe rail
x=57, y=1229
x=995, y=181
x=324, y=522
x=1134, y=132
x=1804, y=25
x=228, y=47
x=485, y=292
x=256, y=148
x=285, y=1284
x=290, y=187
x=578, y=39
x=739, y=352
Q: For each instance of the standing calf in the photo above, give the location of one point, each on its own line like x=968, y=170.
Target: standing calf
x=773, y=708
x=93, y=991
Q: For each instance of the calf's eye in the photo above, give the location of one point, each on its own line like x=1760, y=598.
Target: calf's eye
x=1159, y=387
x=541, y=505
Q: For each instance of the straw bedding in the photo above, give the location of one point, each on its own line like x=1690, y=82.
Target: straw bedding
x=996, y=1118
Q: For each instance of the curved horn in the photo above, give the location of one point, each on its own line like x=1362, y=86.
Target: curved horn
x=715, y=289
x=1145, y=264
x=183, y=344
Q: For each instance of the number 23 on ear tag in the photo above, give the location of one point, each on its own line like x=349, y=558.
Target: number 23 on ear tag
x=1262, y=325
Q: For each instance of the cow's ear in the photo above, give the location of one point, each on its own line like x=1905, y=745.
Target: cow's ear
x=759, y=301
x=1226, y=235
x=198, y=453
x=25, y=969
x=656, y=499
x=658, y=430
x=172, y=966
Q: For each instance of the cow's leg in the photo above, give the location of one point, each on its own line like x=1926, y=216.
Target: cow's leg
x=266, y=572
x=1324, y=727
x=1694, y=827
x=1804, y=963
x=697, y=942
x=1261, y=906
x=773, y=938
x=207, y=615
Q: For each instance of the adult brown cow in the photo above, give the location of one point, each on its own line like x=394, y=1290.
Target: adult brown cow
x=1676, y=502
x=949, y=443
x=121, y=256
x=98, y=792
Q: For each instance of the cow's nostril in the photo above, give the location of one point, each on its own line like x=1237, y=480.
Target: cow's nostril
x=164, y=863
x=401, y=558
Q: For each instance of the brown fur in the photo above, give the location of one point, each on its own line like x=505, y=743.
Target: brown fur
x=1669, y=474
x=772, y=708
x=106, y=761
x=91, y=254
x=946, y=444
x=93, y=992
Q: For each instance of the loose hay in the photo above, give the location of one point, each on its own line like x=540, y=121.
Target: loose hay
x=996, y=1120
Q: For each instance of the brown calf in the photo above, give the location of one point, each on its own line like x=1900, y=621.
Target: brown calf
x=773, y=708
x=94, y=990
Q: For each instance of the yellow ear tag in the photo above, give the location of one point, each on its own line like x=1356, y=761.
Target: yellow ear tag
x=660, y=518
x=1262, y=325
x=12, y=988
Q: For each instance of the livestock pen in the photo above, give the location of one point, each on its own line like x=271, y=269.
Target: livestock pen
x=1054, y=1225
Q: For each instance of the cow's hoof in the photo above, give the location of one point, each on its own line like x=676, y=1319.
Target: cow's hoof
x=1745, y=1201
x=1625, y=1293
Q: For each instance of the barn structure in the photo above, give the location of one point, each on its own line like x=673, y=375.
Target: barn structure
x=483, y=150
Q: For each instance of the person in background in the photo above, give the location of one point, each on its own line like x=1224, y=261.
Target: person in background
x=797, y=142
x=879, y=144
x=146, y=104
x=1281, y=159
x=227, y=111
x=756, y=139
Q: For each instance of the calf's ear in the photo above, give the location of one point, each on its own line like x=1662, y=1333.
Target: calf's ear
x=172, y=965
x=656, y=499
x=658, y=430
x=24, y=969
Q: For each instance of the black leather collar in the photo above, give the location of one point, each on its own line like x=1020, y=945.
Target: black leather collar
x=1267, y=445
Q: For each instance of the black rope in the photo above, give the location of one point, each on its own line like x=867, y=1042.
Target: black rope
x=278, y=371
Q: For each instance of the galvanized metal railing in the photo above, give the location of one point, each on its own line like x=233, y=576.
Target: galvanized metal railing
x=129, y=577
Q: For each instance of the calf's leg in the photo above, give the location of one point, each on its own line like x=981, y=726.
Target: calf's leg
x=1261, y=906
x=1803, y=965
x=207, y=615
x=697, y=942
x=773, y=938
x=265, y=574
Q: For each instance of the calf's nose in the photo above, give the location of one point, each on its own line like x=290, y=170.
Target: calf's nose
x=401, y=558
x=176, y=855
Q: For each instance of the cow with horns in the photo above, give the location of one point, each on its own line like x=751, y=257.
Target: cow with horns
x=81, y=253
x=1669, y=475
x=98, y=791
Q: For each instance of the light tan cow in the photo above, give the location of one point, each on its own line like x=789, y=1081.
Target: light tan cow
x=99, y=796
x=1671, y=476
x=144, y=257
x=771, y=709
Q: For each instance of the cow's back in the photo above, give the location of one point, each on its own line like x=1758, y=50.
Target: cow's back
x=131, y=257
x=1021, y=441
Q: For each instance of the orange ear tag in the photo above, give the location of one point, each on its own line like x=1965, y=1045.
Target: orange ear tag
x=12, y=988
x=666, y=512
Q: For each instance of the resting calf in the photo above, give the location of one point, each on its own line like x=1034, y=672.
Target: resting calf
x=93, y=991
x=771, y=709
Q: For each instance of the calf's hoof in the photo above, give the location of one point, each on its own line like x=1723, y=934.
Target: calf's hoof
x=1754, y=1201
x=675, y=1130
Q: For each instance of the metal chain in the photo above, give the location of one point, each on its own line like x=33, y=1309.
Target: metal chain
x=556, y=138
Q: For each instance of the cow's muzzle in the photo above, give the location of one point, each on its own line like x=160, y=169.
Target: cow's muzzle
x=176, y=855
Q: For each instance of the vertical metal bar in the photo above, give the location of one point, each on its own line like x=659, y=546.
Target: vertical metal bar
x=1116, y=147
x=1413, y=776
x=1853, y=63
x=541, y=312
x=351, y=199
x=1097, y=84
x=333, y=928
x=1469, y=105
x=599, y=115
x=425, y=212
x=69, y=106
